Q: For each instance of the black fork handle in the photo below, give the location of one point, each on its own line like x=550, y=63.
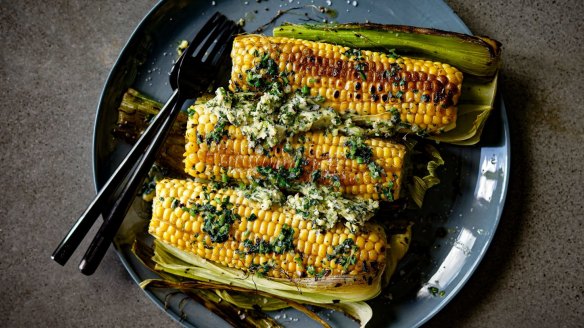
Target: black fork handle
x=113, y=221
x=84, y=223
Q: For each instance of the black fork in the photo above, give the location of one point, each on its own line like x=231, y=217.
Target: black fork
x=193, y=72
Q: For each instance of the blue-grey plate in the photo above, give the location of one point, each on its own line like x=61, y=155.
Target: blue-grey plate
x=452, y=231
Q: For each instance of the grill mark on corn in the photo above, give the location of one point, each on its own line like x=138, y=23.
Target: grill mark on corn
x=233, y=157
x=349, y=174
x=336, y=79
x=438, y=88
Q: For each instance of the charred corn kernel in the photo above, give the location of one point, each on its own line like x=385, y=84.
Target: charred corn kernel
x=305, y=247
x=325, y=153
x=375, y=81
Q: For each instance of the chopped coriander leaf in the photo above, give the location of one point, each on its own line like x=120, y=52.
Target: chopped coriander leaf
x=218, y=132
x=336, y=181
x=436, y=292
x=319, y=99
x=322, y=273
x=261, y=269
x=358, y=150
x=281, y=176
x=361, y=68
x=376, y=171
x=395, y=68
x=284, y=242
x=288, y=148
x=395, y=115
x=392, y=54
x=315, y=175
x=216, y=220
x=353, y=54
x=224, y=177
x=387, y=191
x=254, y=79
x=298, y=259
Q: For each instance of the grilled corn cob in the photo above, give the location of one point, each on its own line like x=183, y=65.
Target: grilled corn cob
x=134, y=115
x=224, y=227
x=361, y=82
x=323, y=160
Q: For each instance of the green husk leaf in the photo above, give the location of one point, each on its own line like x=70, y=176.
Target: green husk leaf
x=191, y=288
x=251, y=318
x=420, y=185
x=209, y=283
x=399, y=244
x=360, y=311
x=252, y=315
x=250, y=301
x=474, y=108
x=196, y=285
x=326, y=290
x=475, y=55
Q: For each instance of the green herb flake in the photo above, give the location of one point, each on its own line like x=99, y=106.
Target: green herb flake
x=354, y=54
x=216, y=220
x=219, y=131
x=376, y=170
x=387, y=191
x=436, y=292
x=391, y=53
x=336, y=181
x=284, y=241
x=358, y=150
x=315, y=175
x=224, y=177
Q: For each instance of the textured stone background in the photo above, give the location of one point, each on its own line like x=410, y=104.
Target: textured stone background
x=55, y=56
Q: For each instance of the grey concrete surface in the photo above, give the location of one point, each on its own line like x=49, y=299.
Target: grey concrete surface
x=55, y=56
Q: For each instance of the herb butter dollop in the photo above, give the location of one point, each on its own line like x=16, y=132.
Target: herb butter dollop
x=325, y=207
x=267, y=119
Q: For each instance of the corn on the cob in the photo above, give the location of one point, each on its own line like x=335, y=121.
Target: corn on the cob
x=274, y=242
x=363, y=82
x=324, y=154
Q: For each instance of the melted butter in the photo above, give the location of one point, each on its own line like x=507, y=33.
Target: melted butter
x=267, y=119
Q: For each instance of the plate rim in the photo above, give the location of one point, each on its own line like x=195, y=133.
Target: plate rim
x=142, y=25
